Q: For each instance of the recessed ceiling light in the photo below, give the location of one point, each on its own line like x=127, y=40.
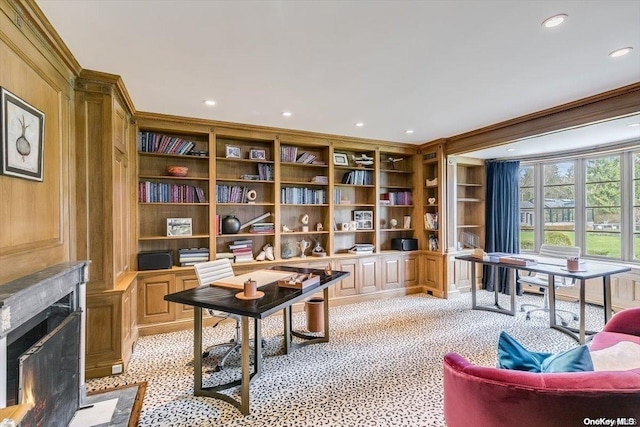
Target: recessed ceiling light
x=633, y=125
x=511, y=149
x=210, y=102
x=286, y=113
x=409, y=131
x=620, y=52
x=359, y=124
x=555, y=20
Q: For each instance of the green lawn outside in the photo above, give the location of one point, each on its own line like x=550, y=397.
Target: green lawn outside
x=600, y=244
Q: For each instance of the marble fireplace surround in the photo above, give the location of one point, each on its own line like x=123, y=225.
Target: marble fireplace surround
x=25, y=298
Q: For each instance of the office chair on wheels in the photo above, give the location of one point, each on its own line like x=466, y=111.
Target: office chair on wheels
x=542, y=281
x=208, y=272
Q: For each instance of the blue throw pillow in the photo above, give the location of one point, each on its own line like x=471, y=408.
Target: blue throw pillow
x=512, y=355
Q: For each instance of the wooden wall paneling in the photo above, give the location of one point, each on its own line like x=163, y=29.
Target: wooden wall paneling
x=35, y=231
x=410, y=270
x=183, y=282
x=346, y=287
x=104, y=311
x=152, y=308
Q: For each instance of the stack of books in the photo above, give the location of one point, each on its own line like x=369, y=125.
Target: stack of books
x=306, y=158
x=242, y=250
x=361, y=248
x=320, y=180
x=192, y=256
x=262, y=228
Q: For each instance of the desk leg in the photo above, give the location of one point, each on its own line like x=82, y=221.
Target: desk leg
x=257, y=347
x=473, y=286
x=325, y=294
x=583, y=285
x=606, y=292
x=197, y=351
x=286, y=318
x=512, y=287
x=496, y=279
x=246, y=367
x=552, y=300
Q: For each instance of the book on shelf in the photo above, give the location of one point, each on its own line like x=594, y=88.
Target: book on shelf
x=223, y=255
x=430, y=221
x=362, y=248
x=306, y=158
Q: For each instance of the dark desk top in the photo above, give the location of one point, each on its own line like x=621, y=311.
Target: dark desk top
x=275, y=298
x=555, y=266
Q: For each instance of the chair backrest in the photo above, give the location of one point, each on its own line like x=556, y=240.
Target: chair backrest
x=211, y=271
x=553, y=251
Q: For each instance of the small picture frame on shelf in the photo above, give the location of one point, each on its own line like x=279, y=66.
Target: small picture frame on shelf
x=257, y=154
x=363, y=220
x=406, y=223
x=232, y=152
x=340, y=159
x=179, y=226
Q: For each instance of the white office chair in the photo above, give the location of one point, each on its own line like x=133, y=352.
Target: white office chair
x=208, y=272
x=542, y=280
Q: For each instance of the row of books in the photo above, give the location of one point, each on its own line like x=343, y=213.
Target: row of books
x=231, y=194
x=150, y=142
x=396, y=198
x=265, y=172
x=159, y=192
x=431, y=221
x=242, y=250
x=187, y=257
x=358, y=177
x=303, y=196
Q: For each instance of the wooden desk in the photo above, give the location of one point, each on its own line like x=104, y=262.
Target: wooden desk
x=553, y=267
x=275, y=298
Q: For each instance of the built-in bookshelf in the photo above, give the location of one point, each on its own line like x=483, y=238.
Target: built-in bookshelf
x=245, y=192
x=304, y=199
x=173, y=172
x=354, y=200
x=396, y=198
x=470, y=191
x=431, y=219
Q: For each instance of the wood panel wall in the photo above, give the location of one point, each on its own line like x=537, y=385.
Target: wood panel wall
x=35, y=227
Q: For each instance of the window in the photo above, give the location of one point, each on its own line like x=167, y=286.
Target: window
x=602, y=207
x=559, y=203
x=636, y=206
x=527, y=198
x=592, y=202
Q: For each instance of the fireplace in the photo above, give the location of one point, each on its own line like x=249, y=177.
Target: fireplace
x=42, y=343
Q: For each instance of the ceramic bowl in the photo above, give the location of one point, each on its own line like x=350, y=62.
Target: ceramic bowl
x=177, y=170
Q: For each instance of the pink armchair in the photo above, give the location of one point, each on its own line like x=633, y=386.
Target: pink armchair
x=492, y=397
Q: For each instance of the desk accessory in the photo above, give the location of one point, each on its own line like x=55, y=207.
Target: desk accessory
x=299, y=281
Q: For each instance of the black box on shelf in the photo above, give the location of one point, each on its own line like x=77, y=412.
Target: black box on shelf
x=404, y=244
x=157, y=260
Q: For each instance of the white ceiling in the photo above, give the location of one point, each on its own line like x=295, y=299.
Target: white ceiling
x=440, y=68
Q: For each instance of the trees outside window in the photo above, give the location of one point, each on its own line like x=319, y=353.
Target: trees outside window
x=527, y=211
x=559, y=203
x=602, y=207
x=636, y=205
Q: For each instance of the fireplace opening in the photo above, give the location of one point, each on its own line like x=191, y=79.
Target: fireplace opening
x=21, y=340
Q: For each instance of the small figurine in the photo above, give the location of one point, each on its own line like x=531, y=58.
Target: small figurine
x=363, y=160
x=304, y=219
x=285, y=229
x=393, y=222
x=318, y=250
x=393, y=160
x=287, y=252
x=319, y=227
x=327, y=270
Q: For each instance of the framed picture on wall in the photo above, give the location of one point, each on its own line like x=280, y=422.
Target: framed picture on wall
x=22, y=147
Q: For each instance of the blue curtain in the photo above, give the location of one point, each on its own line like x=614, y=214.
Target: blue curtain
x=502, y=233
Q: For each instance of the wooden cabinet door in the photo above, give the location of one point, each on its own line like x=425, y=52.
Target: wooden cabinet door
x=410, y=270
x=392, y=268
x=152, y=308
x=346, y=286
x=184, y=282
x=368, y=278
x=432, y=276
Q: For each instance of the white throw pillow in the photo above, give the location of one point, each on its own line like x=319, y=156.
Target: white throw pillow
x=623, y=356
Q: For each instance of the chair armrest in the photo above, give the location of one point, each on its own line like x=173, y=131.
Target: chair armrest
x=625, y=322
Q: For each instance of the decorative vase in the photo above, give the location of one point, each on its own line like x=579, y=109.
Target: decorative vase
x=230, y=225
x=287, y=251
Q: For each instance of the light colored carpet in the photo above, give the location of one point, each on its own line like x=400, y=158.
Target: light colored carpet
x=382, y=367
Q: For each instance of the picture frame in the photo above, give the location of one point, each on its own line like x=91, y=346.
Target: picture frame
x=363, y=219
x=22, y=141
x=232, y=152
x=257, y=154
x=179, y=227
x=406, y=223
x=340, y=159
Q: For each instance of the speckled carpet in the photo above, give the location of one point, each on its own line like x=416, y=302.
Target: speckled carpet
x=382, y=367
